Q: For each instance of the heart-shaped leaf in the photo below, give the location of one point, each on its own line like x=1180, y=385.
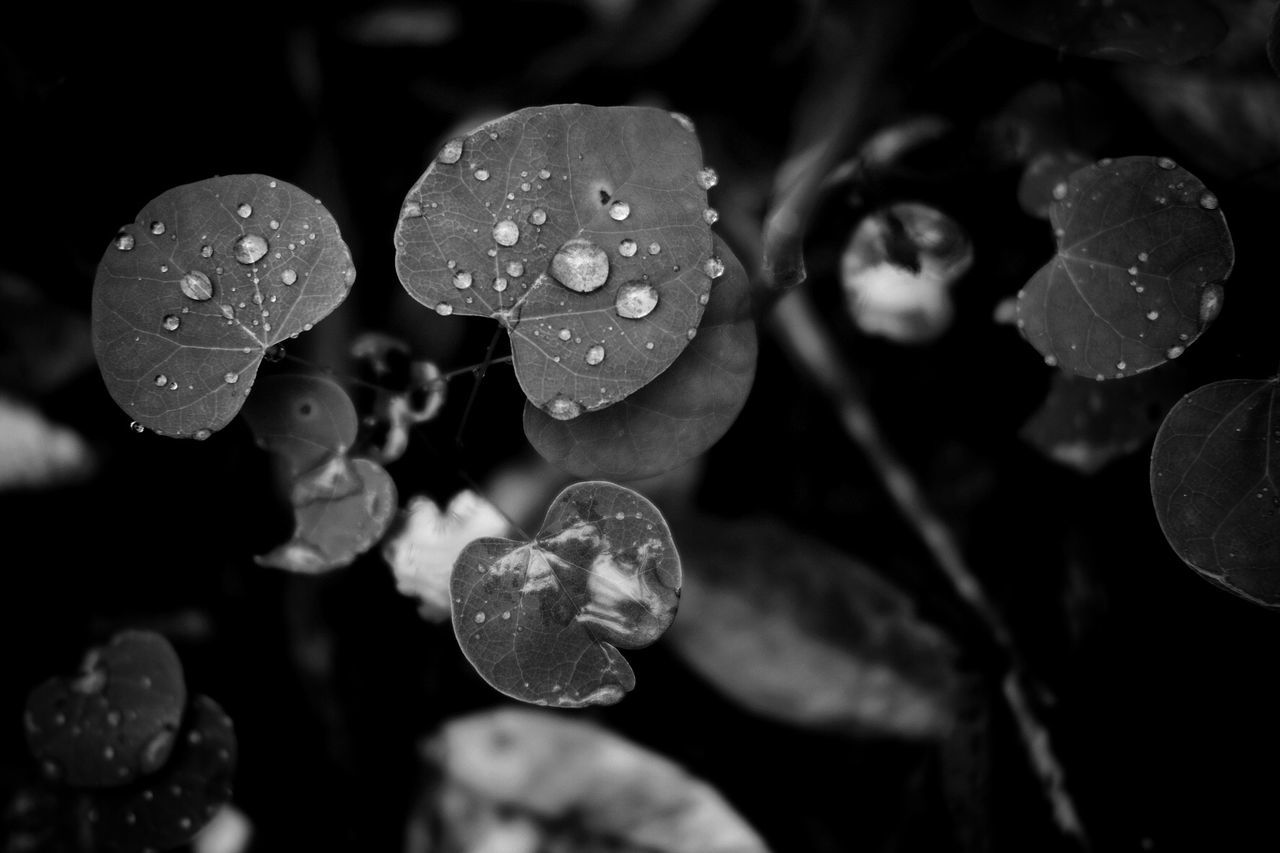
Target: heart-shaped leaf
x=1165, y=31
x=542, y=621
x=676, y=416
x=304, y=419
x=190, y=296
x=166, y=810
x=113, y=722
x=584, y=230
x=1142, y=252
x=1215, y=481
x=341, y=509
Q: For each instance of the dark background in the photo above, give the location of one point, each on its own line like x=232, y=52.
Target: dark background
x=1166, y=715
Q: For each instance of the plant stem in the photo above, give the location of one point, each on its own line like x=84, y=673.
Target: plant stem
x=475, y=388
x=808, y=343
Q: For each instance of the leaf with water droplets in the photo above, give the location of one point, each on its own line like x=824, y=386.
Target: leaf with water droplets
x=167, y=809
x=1142, y=252
x=212, y=275
x=792, y=628
x=304, y=419
x=542, y=621
x=1215, y=481
x=676, y=416
x=1164, y=31
x=341, y=509
x=115, y=720
x=566, y=193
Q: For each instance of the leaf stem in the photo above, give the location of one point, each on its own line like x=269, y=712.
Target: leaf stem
x=475, y=388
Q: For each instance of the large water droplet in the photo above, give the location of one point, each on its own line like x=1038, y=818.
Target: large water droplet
x=580, y=265
x=462, y=280
x=250, y=249
x=244, y=211
x=124, y=242
x=196, y=285
x=1208, y=200
x=636, y=300
x=444, y=309
x=563, y=409
x=1210, y=303
x=157, y=228
x=171, y=322
x=451, y=151
x=619, y=210
x=654, y=248
x=595, y=355
x=506, y=233
x=627, y=248
x=707, y=178
x=710, y=216
x=288, y=277
x=714, y=267
x=499, y=284
x=538, y=216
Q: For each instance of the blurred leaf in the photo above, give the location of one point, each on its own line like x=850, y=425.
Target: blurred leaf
x=341, y=509
x=1085, y=424
x=795, y=630
x=542, y=621
x=229, y=832
x=190, y=296
x=113, y=722
x=422, y=554
x=897, y=269
x=42, y=345
x=1273, y=41
x=1142, y=252
x=407, y=393
x=677, y=416
x=1165, y=31
x=966, y=758
x=35, y=453
x=1215, y=480
x=304, y=419
x=1044, y=172
x=565, y=224
x=517, y=780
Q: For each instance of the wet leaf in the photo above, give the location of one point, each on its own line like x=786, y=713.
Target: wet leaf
x=677, y=416
x=190, y=296
x=518, y=779
x=167, y=809
x=422, y=554
x=1165, y=31
x=341, y=510
x=565, y=223
x=795, y=630
x=1044, y=172
x=1142, y=252
x=542, y=621
x=35, y=453
x=1084, y=424
x=115, y=720
x=1215, y=480
x=304, y=419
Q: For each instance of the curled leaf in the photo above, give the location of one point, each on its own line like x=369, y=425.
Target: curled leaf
x=304, y=419
x=190, y=296
x=542, y=621
x=676, y=416
x=1215, y=482
x=407, y=393
x=584, y=230
x=1142, y=252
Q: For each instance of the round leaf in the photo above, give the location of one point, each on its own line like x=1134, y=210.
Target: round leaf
x=677, y=416
x=305, y=419
x=190, y=296
x=1215, y=481
x=1142, y=252
x=564, y=223
x=542, y=621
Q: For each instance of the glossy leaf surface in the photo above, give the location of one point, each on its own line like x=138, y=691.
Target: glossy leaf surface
x=190, y=296
x=1142, y=251
x=305, y=419
x=676, y=416
x=542, y=621
x=550, y=220
x=1215, y=481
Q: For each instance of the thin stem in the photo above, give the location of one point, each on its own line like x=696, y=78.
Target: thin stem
x=472, y=368
x=475, y=388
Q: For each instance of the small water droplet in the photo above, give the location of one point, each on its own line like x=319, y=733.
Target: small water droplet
x=227, y=311
x=636, y=300
x=654, y=248
x=1208, y=200
x=1142, y=256
x=1120, y=365
x=1060, y=190
x=538, y=216
x=480, y=618
x=275, y=226
x=451, y=151
x=714, y=267
x=1153, y=315
x=564, y=334
x=244, y=211
x=462, y=280
x=710, y=216
x=288, y=277
x=124, y=242
x=1051, y=360
x=563, y=409
x=157, y=228
x=231, y=377
x=506, y=233
x=171, y=322
x=707, y=178
x=1210, y=303
x=250, y=248
x=196, y=285
x=580, y=265
x=595, y=354
x=499, y=284
x=544, y=174
x=627, y=248
x=444, y=309
x=619, y=211
x=684, y=121
x=161, y=380
x=137, y=427
x=1174, y=352
x=481, y=174
x=410, y=210
x=515, y=269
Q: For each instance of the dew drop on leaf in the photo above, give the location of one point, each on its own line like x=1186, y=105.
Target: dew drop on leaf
x=288, y=276
x=654, y=248
x=244, y=211
x=481, y=174
x=196, y=285
x=444, y=309
x=137, y=427
x=499, y=284
x=157, y=228
x=451, y=152
x=506, y=233
x=707, y=178
x=250, y=249
x=124, y=242
x=461, y=280
x=580, y=265
x=231, y=378
x=1208, y=201
x=1210, y=303
x=619, y=211
x=710, y=216
x=714, y=267
x=515, y=269
x=171, y=322
x=161, y=380
x=565, y=334
x=636, y=300
x=627, y=248
x=206, y=251
x=684, y=121
x=538, y=216
x=563, y=409
x=595, y=355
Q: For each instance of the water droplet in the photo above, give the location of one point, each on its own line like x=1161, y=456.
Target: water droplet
x=515, y=269
x=231, y=377
x=563, y=409
x=707, y=178
x=580, y=265
x=444, y=309
x=1051, y=360
x=654, y=248
x=481, y=174
x=124, y=242
x=714, y=267
x=565, y=334
x=410, y=210
x=161, y=380
x=1142, y=256
x=480, y=618
x=1060, y=190
x=288, y=277
x=137, y=427
x=595, y=355
x=157, y=228
x=1120, y=365
x=506, y=233
x=156, y=751
x=1153, y=315
x=227, y=311
x=1166, y=163
x=275, y=226
x=201, y=434
x=619, y=210
x=171, y=322
x=196, y=285
x=1210, y=303
x=506, y=614
x=1174, y=352
x=704, y=299
x=462, y=280
x=636, y=300
x=499, y=284
x=538, y=216
x=684, y=121
x=627, y=248
x=250, y=248
x=1208, y=200
x=451, y=151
